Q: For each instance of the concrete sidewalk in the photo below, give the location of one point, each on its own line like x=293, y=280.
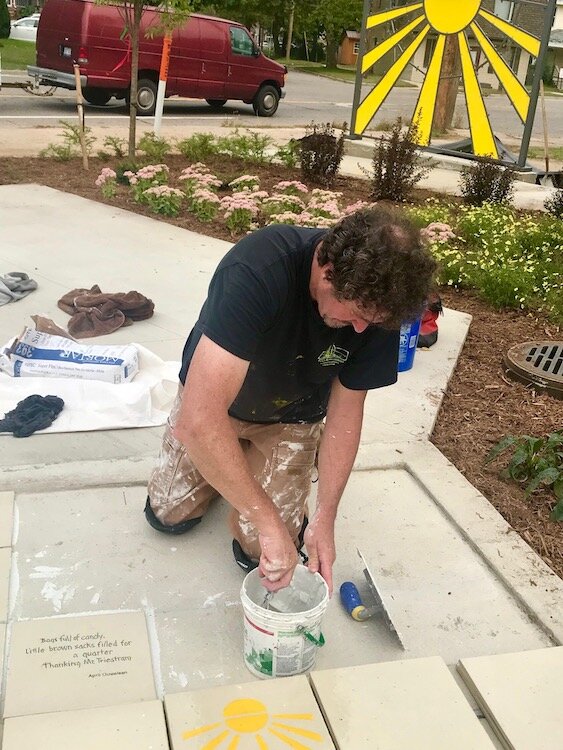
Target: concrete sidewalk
x=459, y=583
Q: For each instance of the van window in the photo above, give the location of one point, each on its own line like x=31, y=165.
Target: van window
x=241, y=43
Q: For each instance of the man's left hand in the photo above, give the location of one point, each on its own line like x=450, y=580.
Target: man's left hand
x=319, y=540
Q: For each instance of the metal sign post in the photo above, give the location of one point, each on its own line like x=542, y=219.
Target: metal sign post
x=538, y=73
x=359, y=75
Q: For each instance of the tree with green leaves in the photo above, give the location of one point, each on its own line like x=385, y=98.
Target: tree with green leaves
x=5, y=25
x=335, y=17
x=173, y=14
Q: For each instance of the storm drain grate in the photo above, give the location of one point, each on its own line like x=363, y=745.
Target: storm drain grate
x=537, y=363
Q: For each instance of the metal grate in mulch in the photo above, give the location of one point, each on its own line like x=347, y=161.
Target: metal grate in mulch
x=537, y=363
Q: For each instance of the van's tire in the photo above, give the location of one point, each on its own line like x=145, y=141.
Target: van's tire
x=216, y=103
x=146, y=96
x=266, y=101
x=96, y=96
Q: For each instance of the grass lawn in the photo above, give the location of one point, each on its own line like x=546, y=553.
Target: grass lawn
x=555, y=152
x=16, y=55
x=340, y=73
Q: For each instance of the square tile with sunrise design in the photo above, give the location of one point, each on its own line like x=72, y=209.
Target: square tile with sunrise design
x=269, y=715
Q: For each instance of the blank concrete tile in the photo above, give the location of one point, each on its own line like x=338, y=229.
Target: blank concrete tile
x=521, y=695
x=6, y=518
x=398, y=706
x=5, y=565
x=2, y=645
x=66, y=663
x=138, y=726
x=269, y=715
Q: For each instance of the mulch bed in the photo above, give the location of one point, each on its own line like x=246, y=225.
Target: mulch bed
x=480, y=406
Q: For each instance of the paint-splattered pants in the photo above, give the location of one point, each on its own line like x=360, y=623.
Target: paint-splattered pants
x=281, y=458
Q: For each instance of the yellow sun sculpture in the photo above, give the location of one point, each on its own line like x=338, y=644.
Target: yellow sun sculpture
x=246, y=716
x=446, y=17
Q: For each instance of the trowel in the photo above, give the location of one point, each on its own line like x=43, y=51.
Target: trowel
x=355, y=607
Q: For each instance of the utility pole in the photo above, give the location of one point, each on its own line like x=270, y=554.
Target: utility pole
x=448, y=85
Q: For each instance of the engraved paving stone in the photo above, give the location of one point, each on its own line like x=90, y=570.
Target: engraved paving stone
x=66, y=663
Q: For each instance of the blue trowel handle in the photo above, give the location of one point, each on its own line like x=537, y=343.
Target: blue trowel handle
x=352, y=601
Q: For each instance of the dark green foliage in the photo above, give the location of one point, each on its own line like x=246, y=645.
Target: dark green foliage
x=321, y=152
x=486, y=181
x=535, y=462
x=554, y=204
x=396, y=163
x=129, y=165
x=4, y=20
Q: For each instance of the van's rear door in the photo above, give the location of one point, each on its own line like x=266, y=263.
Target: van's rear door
x=59, y=34
x=245, y=74
x=214, y=56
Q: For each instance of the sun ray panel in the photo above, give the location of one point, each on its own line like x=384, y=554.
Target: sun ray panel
x=234, y=743
x=389, y=15
x=514, y=90
x=216, y=741
x=528, y=42
x=424, y=110
x=380, y=91
x=481, y=133
x=386, y=46
x=298, y=730
x=200, y=730
x=261, y=742
x=295, y=744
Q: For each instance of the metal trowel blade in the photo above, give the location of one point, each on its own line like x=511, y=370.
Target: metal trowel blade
x=379, y=599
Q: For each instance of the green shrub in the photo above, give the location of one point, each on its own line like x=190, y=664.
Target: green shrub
x=251, y=147
x=432, y=210
x=486, y=181
x=154, y=148
x=288, y=154
x=535, y=461
x=197, y=147
x=554, y=204
x=396, y=164
x=71, y=145
x=321, y=153
x=514, y=261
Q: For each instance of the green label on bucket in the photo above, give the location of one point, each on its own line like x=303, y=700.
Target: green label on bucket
x=262, y=661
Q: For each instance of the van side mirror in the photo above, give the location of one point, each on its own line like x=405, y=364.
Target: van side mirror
x=256, y=51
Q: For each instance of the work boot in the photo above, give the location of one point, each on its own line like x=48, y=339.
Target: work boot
x=429, y=324
x=247, y=563
x=175, y=528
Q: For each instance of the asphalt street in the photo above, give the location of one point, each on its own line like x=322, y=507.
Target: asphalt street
x=308, y=99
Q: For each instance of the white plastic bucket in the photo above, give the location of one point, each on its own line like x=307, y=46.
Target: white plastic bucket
x=283, y=640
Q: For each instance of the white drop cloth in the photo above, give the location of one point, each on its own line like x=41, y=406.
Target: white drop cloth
x=94, y=405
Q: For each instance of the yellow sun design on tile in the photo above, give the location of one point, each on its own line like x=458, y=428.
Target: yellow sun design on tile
x=447, y=17
x=246, y=716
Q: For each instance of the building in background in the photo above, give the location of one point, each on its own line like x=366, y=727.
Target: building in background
x=349, y=48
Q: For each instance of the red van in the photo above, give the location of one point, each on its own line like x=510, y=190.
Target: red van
x=211, y=58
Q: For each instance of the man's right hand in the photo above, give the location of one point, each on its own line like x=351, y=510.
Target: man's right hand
x=277, y=561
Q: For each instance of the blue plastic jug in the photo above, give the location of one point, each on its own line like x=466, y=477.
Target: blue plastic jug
x=407, y=344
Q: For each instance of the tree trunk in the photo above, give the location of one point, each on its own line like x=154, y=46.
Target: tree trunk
x=289, y=31
x=278, y=50
x=134, y=34
x=331, y=52
x=448, y=85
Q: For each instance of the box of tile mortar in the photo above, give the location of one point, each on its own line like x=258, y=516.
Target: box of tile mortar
x=36, y=354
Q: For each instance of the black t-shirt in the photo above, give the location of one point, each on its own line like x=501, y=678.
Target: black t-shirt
x=260, y=309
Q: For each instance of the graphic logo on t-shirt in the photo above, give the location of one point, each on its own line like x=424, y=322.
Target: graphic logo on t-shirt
x=334, y=355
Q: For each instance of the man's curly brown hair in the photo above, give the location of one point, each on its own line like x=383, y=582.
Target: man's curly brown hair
x=378, y=261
